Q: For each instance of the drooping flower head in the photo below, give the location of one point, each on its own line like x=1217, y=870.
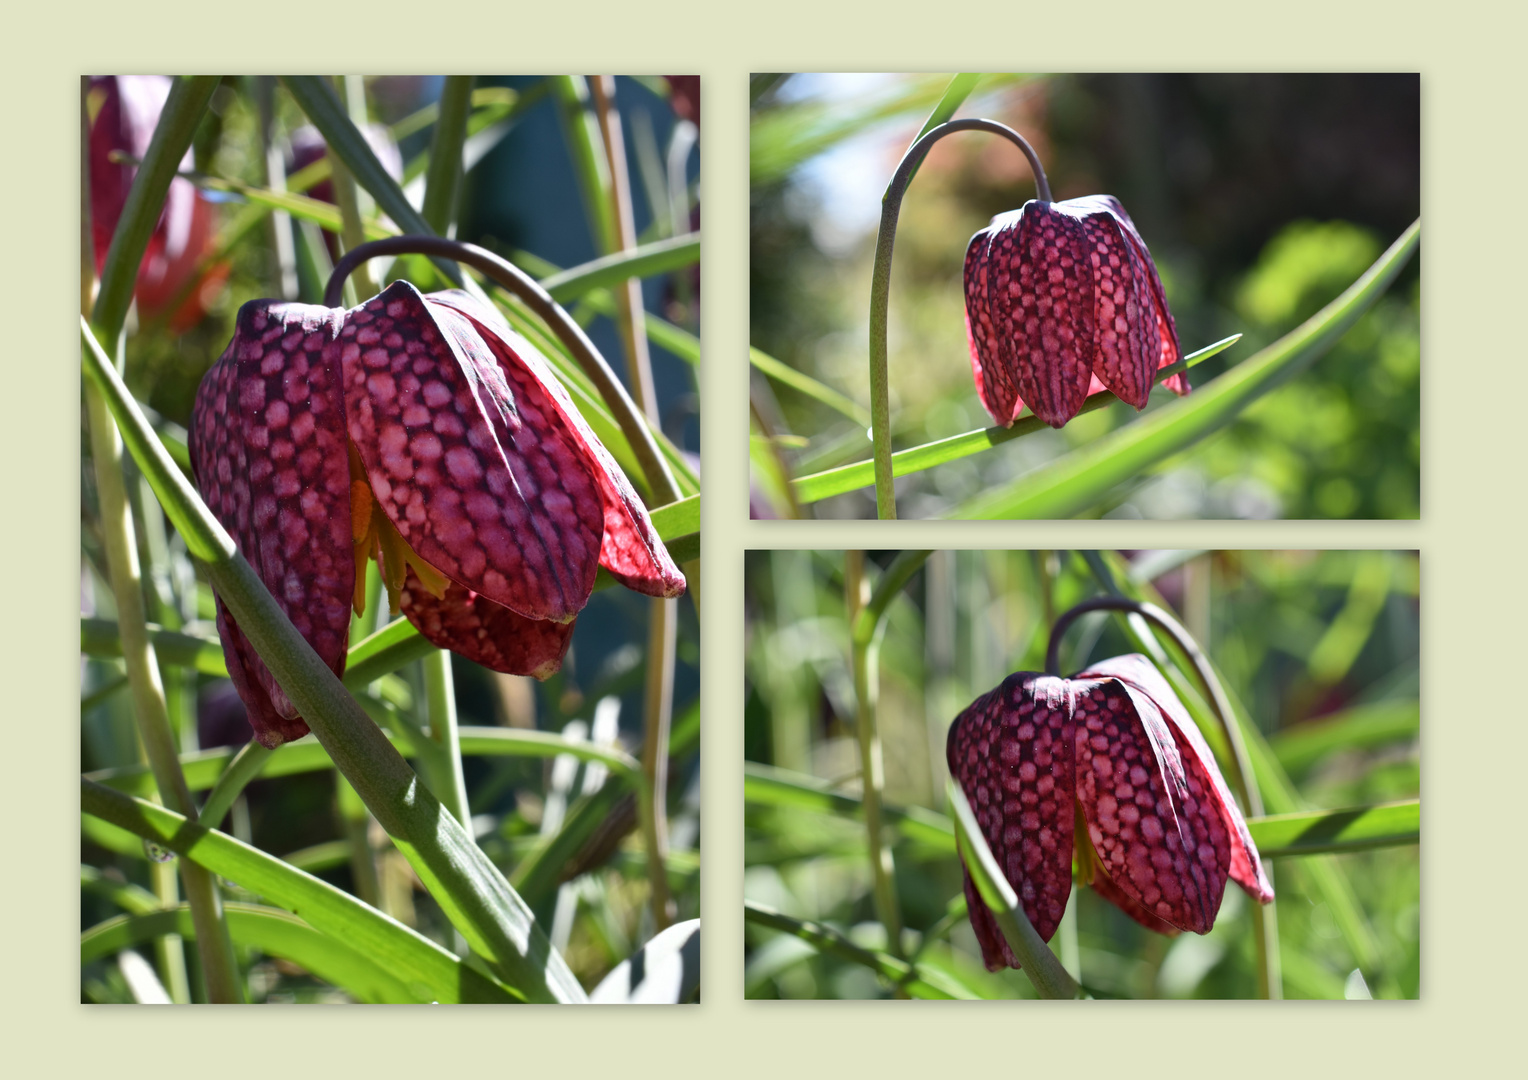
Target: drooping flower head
x=123, y=113
x=423, y=432
x=1114, y=749
x=1063, y=301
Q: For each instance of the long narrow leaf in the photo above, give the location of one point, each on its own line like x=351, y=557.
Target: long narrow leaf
x=273, y=932
x=433, y=973
x=659, y=257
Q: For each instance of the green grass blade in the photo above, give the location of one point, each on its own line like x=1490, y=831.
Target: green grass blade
x=861, y=474
x=133, y=899
x=1325, y=831
x=269, y=930
x=1078, y=480
x=813, y=389
x=954, y=95
x=444, y=176
x=917, y=981
x=1360, y=728
x=429, y=970
x=659, y=257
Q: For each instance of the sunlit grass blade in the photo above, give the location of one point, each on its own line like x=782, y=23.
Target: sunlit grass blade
x=428, y=969
x=813, y=389
x=825, y=485
x=955, y=94
x=665, y=971
x=133, y=899
x=1050, y=979
x=1357, y=828
x=917, y=981
x=1077, y=481
x=444, y=177
x=273, y=932
x=1363, y=727
x=649, y=260
x=766, y=785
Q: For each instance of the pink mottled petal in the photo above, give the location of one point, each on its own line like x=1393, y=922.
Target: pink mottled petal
x=479, y=477
x=1246, y=867
x=997, y=954
x=1047, y=322
x=1011, y=752
x=1124, y=312
x=484, y=632
x=994, y=383
x=1152, y=816
x=269, y=455
x=631, y=548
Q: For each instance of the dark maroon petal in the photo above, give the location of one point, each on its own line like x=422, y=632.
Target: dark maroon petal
x=994, y=383
x=1152, y=815
x=484, y=632
x=269, y=454
x=270, y=726
x=1041, y=288
x=1104, y=886
x=630, y=548
x=1135, y=670
x=479, y=479
x=1011, y=753
x=997, y=954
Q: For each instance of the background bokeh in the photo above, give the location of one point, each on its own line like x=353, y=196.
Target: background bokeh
x=1260, y=196
x=1321, y=650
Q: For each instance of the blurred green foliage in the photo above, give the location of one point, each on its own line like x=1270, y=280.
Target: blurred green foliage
x=1320, y=648
x=1261, y=196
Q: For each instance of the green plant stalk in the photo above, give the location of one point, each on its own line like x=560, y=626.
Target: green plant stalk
x=631, y=315
x=443, y=179
x=440, y=699
x=657, y=713
x=865, y=660
x=469, y=889
x=880, y=287
x=589, y=164
x=245, y=765
x=360, y=855
x=182, y=112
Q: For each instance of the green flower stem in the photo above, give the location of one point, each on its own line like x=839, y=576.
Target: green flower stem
x=657, y=715
x=1045, y=971
x=471, y=891
x=440, y=700
x=880, y=288
x=865, y=657
x=183, y=110
x=631, y=420
x=245, y=766
x=662, y=623
x=443, y=179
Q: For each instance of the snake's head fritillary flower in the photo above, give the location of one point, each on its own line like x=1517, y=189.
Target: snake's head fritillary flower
x=1063, y=301
x=123, y=112
x=1115, y=751
x=422, y=432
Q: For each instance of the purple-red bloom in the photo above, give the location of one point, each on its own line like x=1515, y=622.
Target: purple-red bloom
x=124, y=110
x=420, y=431
x=1063, y=301
x=1115, y=749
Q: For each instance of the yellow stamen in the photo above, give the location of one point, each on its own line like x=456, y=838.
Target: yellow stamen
x=374, y=536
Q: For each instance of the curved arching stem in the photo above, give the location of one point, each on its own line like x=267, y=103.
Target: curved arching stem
x=1241, y=761
x=659, y=477
x=880, y=286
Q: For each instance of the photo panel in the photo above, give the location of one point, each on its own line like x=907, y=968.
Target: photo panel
x=1054, y=296
x=1111, y=774
x=390, y=650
